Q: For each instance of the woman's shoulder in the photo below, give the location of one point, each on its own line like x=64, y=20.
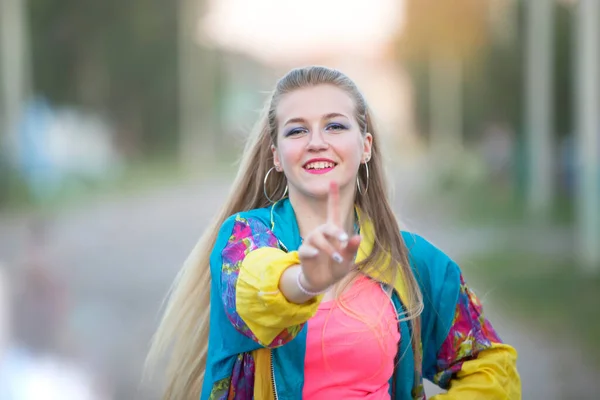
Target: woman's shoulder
x=427, y=260
x=257, y=217
x=247, y=223
x=243, y=228
x=419, y=247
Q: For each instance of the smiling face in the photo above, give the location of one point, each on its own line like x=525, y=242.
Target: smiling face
x=319, y=140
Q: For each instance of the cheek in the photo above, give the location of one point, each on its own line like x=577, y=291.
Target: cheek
x=289, y=153
x=350, y=151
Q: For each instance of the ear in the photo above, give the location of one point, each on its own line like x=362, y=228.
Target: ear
x=276, y=160
x=367, y=146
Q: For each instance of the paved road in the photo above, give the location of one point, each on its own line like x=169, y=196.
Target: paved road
x=122, y=254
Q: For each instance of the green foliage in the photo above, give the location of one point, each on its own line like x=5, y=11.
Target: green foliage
x=494, y=80
x=119, y=58
x=564, y=75
x=13, y=190
x=550, y=291
x=493, y=202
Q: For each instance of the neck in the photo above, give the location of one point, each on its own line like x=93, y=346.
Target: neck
x=312, y=212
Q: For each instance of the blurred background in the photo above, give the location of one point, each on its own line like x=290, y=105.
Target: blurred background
x=121, y=122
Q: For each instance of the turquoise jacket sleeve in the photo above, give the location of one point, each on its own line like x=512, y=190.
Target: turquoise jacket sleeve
x=462, y=353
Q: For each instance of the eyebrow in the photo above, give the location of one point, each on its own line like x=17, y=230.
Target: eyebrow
x=326, y=116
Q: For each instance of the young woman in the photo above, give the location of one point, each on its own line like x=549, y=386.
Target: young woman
x=305, y=287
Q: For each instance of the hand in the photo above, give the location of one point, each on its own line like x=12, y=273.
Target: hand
x=327, y=254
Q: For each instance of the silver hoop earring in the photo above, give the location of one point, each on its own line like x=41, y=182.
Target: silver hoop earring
x=358, y=181
x=265, y=187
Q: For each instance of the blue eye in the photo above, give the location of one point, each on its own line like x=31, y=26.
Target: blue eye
x=295, y=131
x=336, y=127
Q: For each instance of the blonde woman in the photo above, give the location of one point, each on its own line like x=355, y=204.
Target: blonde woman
x=305, y=287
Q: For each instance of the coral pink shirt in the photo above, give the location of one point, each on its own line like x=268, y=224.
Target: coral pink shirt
x=351, y=345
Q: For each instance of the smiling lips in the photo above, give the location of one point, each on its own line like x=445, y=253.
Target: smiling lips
x=321, y=166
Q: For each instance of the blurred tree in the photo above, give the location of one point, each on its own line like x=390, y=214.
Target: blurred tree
x=15, y=77
x=493, y=71
x=119, y=58
x=199, y=78
x=15, y=87
x=539, y=103
x=457, y=28
x=587, y=94
x=564, y=30
x=442, y=36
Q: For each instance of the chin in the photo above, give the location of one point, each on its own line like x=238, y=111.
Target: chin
x=320, y=190
x=320, y=196
x=311, y=191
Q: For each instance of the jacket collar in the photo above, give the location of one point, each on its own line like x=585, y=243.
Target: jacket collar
x=284, y=226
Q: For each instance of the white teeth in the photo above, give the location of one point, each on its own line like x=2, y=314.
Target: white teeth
x=320, y=165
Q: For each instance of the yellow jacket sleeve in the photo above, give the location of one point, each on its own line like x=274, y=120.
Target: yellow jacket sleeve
x=252, y=265
x=267, y=313
x=473, y=362
x=492, y=375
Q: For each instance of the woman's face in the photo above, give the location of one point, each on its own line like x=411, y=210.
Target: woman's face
x=319, y=141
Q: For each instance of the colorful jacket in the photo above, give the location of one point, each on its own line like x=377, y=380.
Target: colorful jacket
x=257, y=339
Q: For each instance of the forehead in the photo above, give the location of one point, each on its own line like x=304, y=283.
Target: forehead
x=313, y=102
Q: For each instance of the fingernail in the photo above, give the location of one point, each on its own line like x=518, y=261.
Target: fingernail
x=312, y=252
x=337, y=258
x=343, y=237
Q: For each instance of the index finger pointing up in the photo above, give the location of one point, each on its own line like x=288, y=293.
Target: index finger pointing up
x=333, y=205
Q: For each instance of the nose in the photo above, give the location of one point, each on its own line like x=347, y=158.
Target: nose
x=317, y=141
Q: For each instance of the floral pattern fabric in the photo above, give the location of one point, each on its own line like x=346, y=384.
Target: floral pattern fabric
x=247, y=235
x=470, y=334
x=240, y=385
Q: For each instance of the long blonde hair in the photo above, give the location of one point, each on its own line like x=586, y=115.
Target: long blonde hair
x=184, y=326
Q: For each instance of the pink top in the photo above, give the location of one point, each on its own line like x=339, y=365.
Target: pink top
x=351, y=346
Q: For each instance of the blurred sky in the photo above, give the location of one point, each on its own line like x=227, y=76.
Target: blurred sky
x=352, y=35
x=288, y=31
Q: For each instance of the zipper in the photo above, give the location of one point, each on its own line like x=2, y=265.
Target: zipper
x=397, y=356
x=282, y=246
x=273, y=377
